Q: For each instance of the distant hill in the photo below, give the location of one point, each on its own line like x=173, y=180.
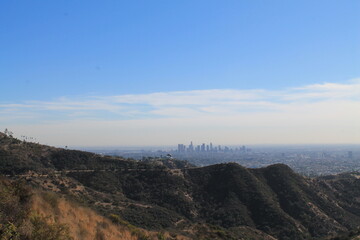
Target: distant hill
x=223, y=201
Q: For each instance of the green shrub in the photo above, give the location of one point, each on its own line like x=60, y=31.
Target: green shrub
x=161, y=236
x=118, y=220
x=9, y=232
x=51, y=198
x=43, y=230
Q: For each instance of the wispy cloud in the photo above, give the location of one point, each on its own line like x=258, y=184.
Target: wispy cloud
x=327, y=105
x=193, y=102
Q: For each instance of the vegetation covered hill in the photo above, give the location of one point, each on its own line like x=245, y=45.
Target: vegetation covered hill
x=33, y=214
x=224, y=201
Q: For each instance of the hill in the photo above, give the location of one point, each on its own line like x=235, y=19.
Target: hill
x=224, y=201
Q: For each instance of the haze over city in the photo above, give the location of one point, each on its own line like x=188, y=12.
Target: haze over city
x=91, y=73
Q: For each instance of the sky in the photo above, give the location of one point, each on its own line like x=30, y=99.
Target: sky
x=131, y=73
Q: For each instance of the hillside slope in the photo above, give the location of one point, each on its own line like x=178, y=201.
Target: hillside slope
x=33, y=214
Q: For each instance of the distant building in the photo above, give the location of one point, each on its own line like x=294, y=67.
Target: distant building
x=203, y=147
x=181, y=148
x=197, y=149
x=191, y=147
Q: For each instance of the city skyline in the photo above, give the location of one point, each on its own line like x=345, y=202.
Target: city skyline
x=204, y=147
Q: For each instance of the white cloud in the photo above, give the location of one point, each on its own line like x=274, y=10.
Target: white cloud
x=326, y=91
x=319, y=113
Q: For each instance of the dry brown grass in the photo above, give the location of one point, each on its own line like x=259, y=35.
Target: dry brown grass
x=83, y=223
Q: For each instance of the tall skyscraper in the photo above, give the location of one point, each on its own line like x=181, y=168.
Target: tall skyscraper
x=203, y=147
x=191, y=147
x=197, y=148
x=181, y=148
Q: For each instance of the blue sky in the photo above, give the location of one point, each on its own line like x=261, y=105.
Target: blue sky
x=96, y=66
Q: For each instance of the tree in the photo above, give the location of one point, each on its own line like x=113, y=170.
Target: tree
x=8, y=133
